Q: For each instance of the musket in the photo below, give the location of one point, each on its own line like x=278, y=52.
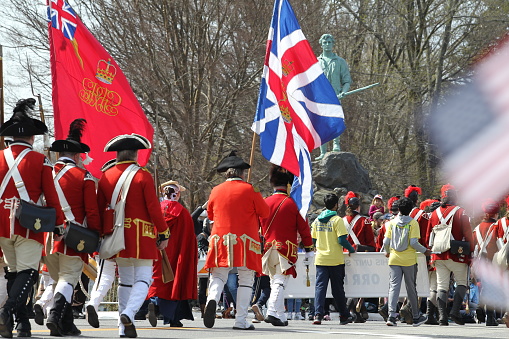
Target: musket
x=41, y=110
x=361, y=89
x=2, y=145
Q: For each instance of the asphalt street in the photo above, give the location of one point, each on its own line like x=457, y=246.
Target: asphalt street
x=374, y=327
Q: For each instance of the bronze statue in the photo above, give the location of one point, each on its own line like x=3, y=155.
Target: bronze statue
x=337, y=72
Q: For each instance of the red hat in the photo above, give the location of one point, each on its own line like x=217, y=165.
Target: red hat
x=391, y=201
x=411, y=189
x=426, y=203
x=445, y=188
x=507, y=201
x=490, y=206
x=348, y=196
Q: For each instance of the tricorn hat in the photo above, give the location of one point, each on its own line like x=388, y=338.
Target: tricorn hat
x=73, y=142
x=232, y=161
x=108, y=164
x=20, y=124
x=127, y=142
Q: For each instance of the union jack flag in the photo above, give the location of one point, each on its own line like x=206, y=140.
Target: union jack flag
x=62, y=18
x=297, y=107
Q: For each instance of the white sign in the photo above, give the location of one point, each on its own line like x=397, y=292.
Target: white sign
x=367, y=275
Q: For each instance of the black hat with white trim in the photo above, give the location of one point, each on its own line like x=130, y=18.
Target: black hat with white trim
x=126, y=142
x=21, y=124
x=73, y=142
x=232, y=161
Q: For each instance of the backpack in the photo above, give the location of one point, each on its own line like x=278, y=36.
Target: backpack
x=441, y=235
x=500, y=258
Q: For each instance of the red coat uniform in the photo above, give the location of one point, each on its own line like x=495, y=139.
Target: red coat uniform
x=460, y=230
x=363, y=230
x=491, y=240
x=36, y=172
x=143, y=217
x=182, y=251
x=280, y=228
x=422, y=218
x=380, y=238
x=79, y=189
x=235, y=207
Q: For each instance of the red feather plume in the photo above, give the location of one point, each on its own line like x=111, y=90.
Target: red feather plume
x=348, y=196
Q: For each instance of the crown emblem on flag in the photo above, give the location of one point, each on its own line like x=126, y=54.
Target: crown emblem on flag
x=105, y=71
x=285, y=113
x=287, y=67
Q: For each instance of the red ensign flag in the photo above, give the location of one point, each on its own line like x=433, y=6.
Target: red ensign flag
x=88, y=83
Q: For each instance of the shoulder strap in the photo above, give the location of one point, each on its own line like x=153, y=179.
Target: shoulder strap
x=482, y=243
x=61, y=196
x=503, y=221
x=14, y=173
x=448, y=217
x=418, y=215
x=277, y=210
x=119, y=207
x=350, y=228
x=120, y=183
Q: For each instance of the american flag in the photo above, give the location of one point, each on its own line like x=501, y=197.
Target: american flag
x=297, y=107
x=471, y=130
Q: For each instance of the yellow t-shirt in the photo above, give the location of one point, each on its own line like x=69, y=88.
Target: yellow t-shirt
x=328, y=251
x=407, y=257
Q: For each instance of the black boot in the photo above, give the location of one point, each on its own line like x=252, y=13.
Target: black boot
x=23, y=326
x=67, y=325
x=55, y=315
x=23, y=312
x=459, y=296
x=430, y=312
x=491, y=319
x=18, y=291
x=442, y=308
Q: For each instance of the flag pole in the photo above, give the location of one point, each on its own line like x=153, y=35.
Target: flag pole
x=251, y=157
x=2, y=144
x=156, y=156
x=41, y=109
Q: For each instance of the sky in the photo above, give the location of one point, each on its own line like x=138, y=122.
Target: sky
x=15, y=76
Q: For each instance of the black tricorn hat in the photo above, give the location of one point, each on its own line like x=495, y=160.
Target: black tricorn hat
x=232, y=161
x=108, y=164
x=20, y=124
x=73, y=142
x=126, y=142
x=280, y=176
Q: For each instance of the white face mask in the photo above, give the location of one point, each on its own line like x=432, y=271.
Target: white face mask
x=175, y=195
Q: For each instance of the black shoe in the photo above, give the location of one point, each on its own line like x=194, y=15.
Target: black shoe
x=24, y=334
x=251, y=327
x=54, y=329
x=209, y=316
x=391, y=321
x=129, y=328
x=457, y=318
x=152, y=317
x=275, y=321
x=176, y=324
x=346, y=320
x=419, y=321
x=92, y=317
x=5, y=324
x=73, y=331
x=39, y=314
